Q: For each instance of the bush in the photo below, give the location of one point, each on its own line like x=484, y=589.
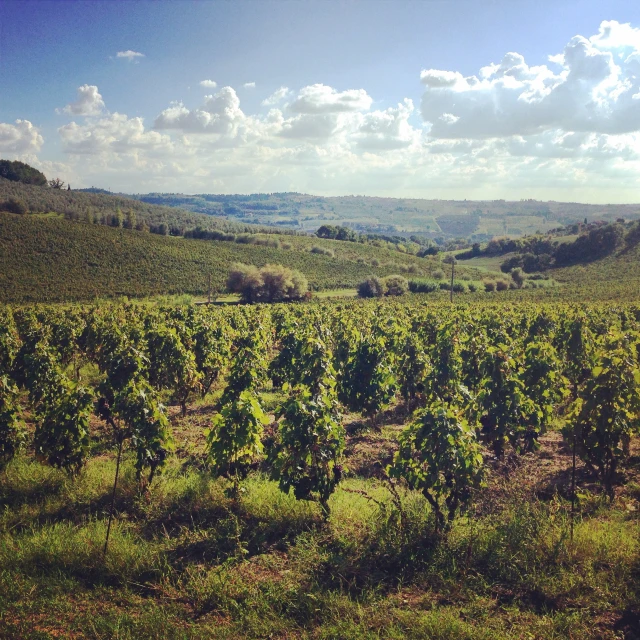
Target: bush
x=372, y=287
x=412, y=268
x=517, y=275
x=375, y=262
x=438, y=274
x=489, y=285
x=459, y=287
x=323, y=252
x=395, y=285
x=502, y=285
x=472, y=287
x=274, y=243
x=444, y=286
x=419, y=286
x=13, y=205
x=272, y=283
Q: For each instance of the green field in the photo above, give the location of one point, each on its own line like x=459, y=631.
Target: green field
x=49, y=259
x=202, y=552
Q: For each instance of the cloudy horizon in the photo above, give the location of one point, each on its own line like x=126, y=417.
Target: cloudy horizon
x=563, y=124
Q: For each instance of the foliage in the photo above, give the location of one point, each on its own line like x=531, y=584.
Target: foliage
x=395, y=285
x=62, y=433
x=171, y=365
x=439, y=455
x=311, y=443
x=372, y=287
x=11, y=432
x=13, y=205
x=368, y=381
x=234, y=440
x=506, y=414
x=17, y=171
x=607, y=410
x=272, y=283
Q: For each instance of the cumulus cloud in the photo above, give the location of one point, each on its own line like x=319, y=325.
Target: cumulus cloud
x=220, y=114
x=565, y=129
x=115, y=133
x=131, y=56
x=389, y=129
x=209, y=84
x=249, y=85
x=20, y=138
x=319, y=98
x=88, y=103
x=276, y=97
x=591, y=91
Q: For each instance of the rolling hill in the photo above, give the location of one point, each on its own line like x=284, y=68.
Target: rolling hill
x=473, y=219
x=50, y=259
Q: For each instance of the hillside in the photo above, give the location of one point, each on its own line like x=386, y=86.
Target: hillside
x=473, y=219
x=96, y=207
x=45, y=258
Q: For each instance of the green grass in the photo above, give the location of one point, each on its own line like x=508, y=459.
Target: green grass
x=187, y=561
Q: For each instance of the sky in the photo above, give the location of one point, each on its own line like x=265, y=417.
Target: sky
x=448, y=99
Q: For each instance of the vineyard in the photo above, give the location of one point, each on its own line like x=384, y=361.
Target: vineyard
x=168, y=450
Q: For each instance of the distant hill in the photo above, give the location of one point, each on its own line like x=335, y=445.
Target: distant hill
x=472, y=219
x=50, y=259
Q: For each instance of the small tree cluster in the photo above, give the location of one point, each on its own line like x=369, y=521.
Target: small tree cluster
x=272, y=283
x=374, y=287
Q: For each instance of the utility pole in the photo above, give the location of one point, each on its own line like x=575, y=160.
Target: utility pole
x=453, y=265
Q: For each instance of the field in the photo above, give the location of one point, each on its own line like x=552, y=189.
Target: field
x=48, y=259
x=448, y=218
x=276, y=497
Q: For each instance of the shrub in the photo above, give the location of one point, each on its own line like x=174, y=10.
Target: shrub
x=472, y=287
x=274, y=243
x=438, y=274
x=517, y=275
x=13, y=205
x=286, y=246
x=489, y=285
x=323, y=251
x=418, y=286
x=440, y=456
x=272, y=283
x=375, y=262
x=412, y=268
x=502, y=285
x=372, y=287
x=396, y=285
x=459, y=287
x=444, y=286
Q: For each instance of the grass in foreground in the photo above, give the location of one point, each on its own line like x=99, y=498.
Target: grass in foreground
x=187, y=561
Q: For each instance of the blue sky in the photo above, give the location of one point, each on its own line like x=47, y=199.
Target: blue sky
x=380, y=98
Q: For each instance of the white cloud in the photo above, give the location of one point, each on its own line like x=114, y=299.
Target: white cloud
x=220, y=114
x=131, y=56
x=115, y=133
x=21, y=138
x=276, y=97
x=249, y=85
x=319, y=98
x=209, y=84
x=568, y=129
x=389, y=129
x=88, y=103
x=592, y=91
